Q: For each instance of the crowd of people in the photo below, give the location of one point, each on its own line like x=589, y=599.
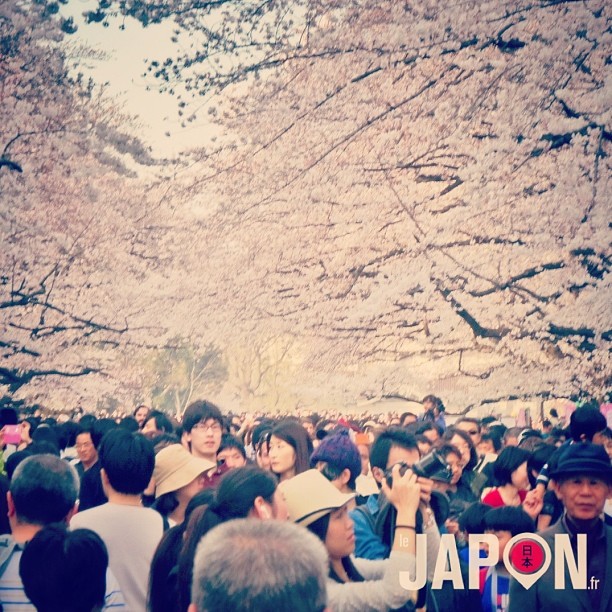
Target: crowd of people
x=227, y=512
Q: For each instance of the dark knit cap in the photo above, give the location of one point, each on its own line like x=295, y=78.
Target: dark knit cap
x=338, y=450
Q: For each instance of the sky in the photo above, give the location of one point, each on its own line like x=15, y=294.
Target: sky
x=126, y=53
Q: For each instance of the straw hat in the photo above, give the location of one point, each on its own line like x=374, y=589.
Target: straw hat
x=176, y=467
x=310, y=496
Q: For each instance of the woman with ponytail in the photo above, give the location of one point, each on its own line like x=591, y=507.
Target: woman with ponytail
x=247, y=492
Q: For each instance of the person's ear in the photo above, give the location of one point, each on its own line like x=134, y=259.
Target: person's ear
x=105, y=481
x=104, y=477
x=378, y=474
x=72, y=512
x=192, y=608
x=11, y=504
x=261, y=508
x=345, y=476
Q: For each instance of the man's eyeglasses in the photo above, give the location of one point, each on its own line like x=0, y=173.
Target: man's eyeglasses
x=214, y=427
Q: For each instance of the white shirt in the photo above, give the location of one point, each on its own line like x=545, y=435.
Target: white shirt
x=131, y=535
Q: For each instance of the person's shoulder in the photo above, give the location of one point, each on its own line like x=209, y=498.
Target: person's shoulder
x=90, y=514
x=550, y=532
x=492, y=498
x=151, y=516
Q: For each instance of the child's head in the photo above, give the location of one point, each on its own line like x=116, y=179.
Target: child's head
x=505, y=523
x=471, y=519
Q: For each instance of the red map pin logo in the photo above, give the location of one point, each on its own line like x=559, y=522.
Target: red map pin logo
x=527, y=556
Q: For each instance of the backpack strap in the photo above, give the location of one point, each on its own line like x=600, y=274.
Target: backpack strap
x=7, y=548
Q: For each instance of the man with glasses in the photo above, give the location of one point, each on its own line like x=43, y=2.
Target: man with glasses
x=473, y=429
x=86, y=452
x=203, y=428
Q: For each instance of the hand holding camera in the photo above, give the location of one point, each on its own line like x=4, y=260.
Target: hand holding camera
x=404, y=492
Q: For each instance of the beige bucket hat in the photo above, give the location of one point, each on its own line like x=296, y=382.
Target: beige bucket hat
x=176, y=467
x=309, y=496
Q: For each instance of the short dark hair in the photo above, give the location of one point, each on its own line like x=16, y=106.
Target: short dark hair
x=509, y=518
x=332, y=471
x=469, y=420
x=128, y=460
x=201, y=410
x=44, y=489
x=428, y=426
x=87, y=421
x=447, y=448
x=229, y=441
x=47, y=434
x=260, y=430
x=507, y=462
x=586, y=421
x=99, y=429
x=129, y=423
x=487, y=420
x=472, y=518
x=495, y=440
x=162, y=422
x=436, y=401
x=406, y=414
x=498, y=430
x=139, y=407
x=64, y=570
x=386, y=439
x=67, y=433
x=420, y=438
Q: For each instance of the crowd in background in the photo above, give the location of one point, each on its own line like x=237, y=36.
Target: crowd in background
x=138, y=513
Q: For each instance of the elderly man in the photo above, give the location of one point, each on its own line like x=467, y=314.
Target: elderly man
x=259, y=566
x=583, y=483
x=43, y=491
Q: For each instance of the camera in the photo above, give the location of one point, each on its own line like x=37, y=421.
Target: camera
x=433, y=466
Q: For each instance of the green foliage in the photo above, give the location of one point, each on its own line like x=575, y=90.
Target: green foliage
x=181, y=373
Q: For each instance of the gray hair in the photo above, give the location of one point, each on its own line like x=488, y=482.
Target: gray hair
x=260, y=566
x=44, y=489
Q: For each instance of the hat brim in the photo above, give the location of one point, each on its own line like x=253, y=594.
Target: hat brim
x=598, y=472
x=309, y=496
x=308, y=519
x=183, y=475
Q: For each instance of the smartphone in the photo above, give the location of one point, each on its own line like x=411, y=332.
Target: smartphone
x=12, y=434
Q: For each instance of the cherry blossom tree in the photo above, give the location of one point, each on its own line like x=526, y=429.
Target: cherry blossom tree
x=412, y=196
x=75, y=218
x=416, y=192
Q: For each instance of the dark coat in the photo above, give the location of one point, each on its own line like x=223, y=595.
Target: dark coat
x=543, y=597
